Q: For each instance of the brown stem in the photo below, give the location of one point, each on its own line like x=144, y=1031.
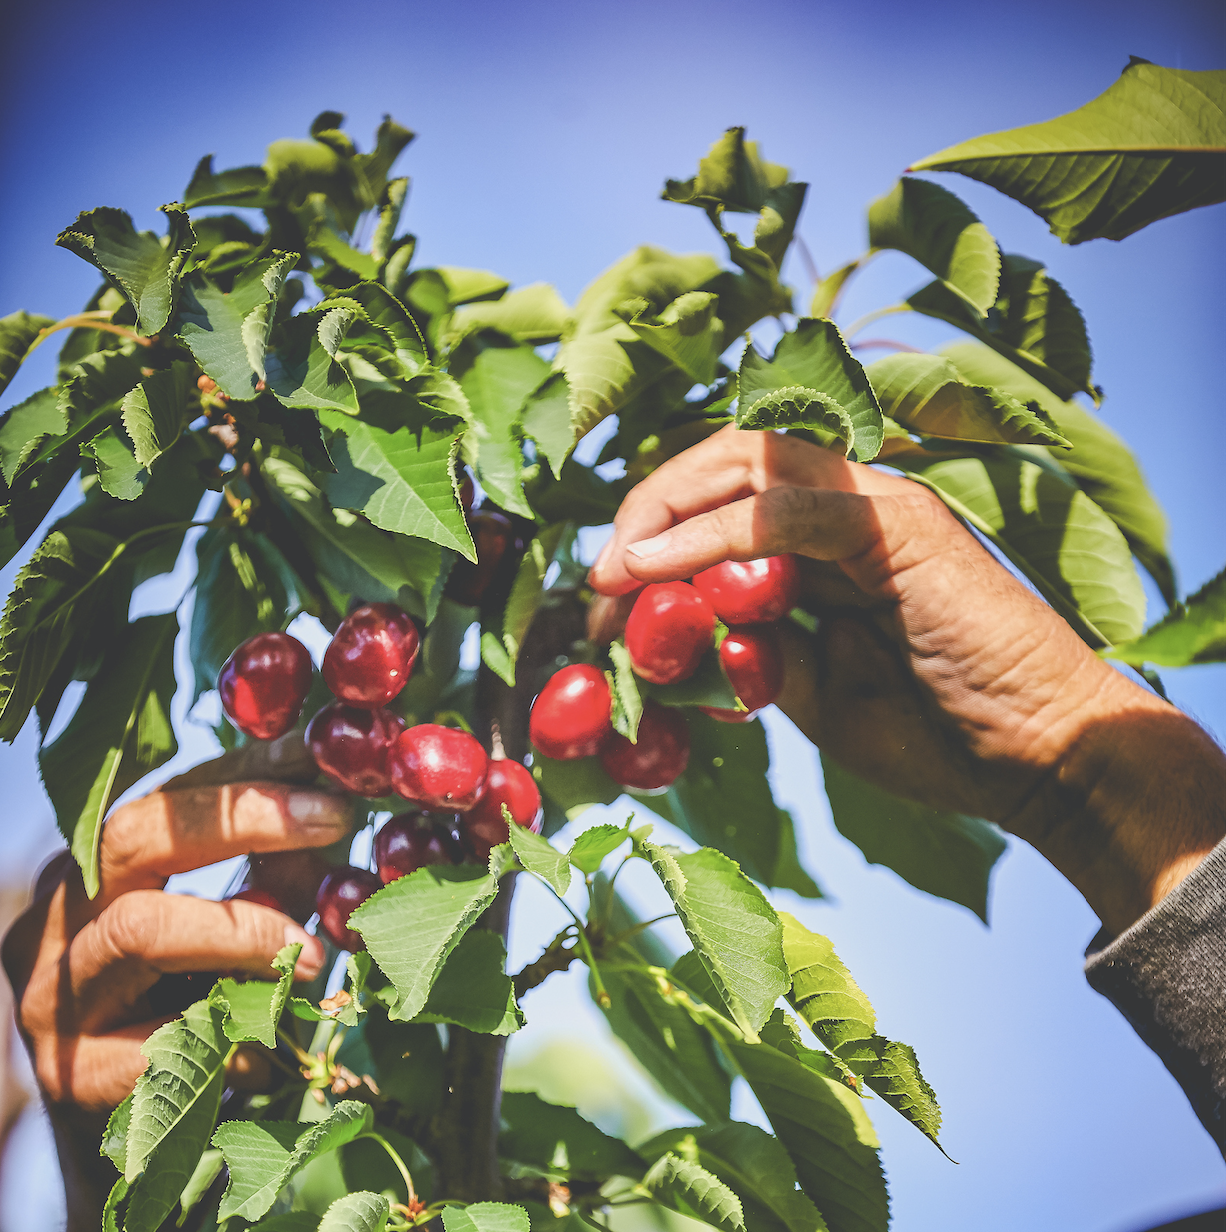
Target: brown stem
x=536, y=973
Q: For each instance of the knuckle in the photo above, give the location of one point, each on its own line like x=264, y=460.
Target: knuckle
x=130, y=924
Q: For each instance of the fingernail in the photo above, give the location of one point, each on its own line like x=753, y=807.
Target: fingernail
x=649, y=547
x=314, y=808
x=603, y=554
x=311, y=960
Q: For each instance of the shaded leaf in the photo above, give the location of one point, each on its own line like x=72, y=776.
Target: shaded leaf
x=732, y=174
x=535, y=313
x=811, y=368
x=304, y=372
x=120, y=732
x=386, y=312
x=155, y=412
x=17, y=331
x=1193, y=632
x=547, y=417
x=689, y=1188
x=946, y=854
x=236, y=186
x=485, y=1217
x=528, y=587
x=144, y=267
x=358, y=1212
x=627, y=701
x=207, y=1171
x=119, y=473
x=543, y=1139
x=574, y=786
x=687, y=332
x=1151, y=145
x=25, y=425
x=735, y=931
x=253, y=1007
x=473, y=989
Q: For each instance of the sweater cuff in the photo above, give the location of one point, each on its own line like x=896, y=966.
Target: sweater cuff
x=1167, y=975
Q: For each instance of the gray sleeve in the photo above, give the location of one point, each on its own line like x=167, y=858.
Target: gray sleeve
x=1167, y=976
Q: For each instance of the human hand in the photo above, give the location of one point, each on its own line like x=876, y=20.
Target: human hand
x=935, y=673
x=83, y=969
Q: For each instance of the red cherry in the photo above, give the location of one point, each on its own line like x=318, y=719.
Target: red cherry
x=753, y=663
x=660, y=756
x=291, y=877
x=264, y=683
x=571, y=715
x=438, y=767
x=670, y=626
x=751, y=591
x=410, y=841
x=466, y=491
x=492, y=534
x=341, y=893
x=351, y=746
x=510, y=783
x=252, y=895
x=371, y=655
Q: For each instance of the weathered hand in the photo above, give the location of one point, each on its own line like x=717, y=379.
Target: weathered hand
x=82, y=969
x=935, y=672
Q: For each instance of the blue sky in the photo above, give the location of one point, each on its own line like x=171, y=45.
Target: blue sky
x=546, y=131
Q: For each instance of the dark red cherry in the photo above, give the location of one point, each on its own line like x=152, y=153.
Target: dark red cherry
x=264, y=683
x=410, y=841
x=439, y=768
x=466, y=491
x=252, y=895
x=341, y=893
x=291, y=877
x=669, y=628
x=751, y=591
x=493, y=534
x=753, y=663
x=371, y=655
x=351, y=746
x=510, y=783
x=660, y=756
x=571, y=715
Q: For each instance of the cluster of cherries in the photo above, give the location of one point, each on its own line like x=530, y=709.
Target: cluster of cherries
x=457, y=790
x=670, y=628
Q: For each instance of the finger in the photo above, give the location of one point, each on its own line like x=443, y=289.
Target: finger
x=147, y=840
x=287, y=760
x=146, y=934
x=94, y=1073
x=824, y=524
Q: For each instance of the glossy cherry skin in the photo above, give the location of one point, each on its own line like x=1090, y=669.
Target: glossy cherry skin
x=669, y=628
x=371, y=655
x=466, y=491
x=290, y=877
x=510, y=783
x=753, y=663
x=751, y=591
x=253, y=895
x=571, y=716
x=439, y=768
x=264, y=683
x=660, y=756
x=341, y=893
x=493, y=534
x=410, y=841
x=351, y=746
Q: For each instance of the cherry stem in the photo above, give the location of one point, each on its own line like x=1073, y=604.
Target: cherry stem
x=303, y=1056
x=856, y=326
x=888, y=343
x=634, y=931
x=395, y=1158
x=86, y=320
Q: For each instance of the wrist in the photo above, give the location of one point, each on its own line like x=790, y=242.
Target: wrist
x=1135, y=804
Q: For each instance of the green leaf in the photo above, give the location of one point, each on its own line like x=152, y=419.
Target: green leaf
x=946, y=854
x=627, y=701
x=1100, y=462
x=24, y=427
x=304, y=373
x=1151, y=145
x=822, y=1126
x=174, y=1109
x=687, y=333
x=119, y=473
x=155, y=412
x=386, y=312
x=332, y=246
x=811, y=367
x=539, y=856
x=263, y=1155
x=115, y=1137
x=753, y=1165
x=17, y=331
x=358, y=1212
x=926, y=394
x=574, y=786
x=1033, y=322
x=708, y=686
x=552, y=1141
x=383, y=242
x=535, y=314
x=237, y=186
x=144, y=267
x=1063, y=542
x=935, y=227
x=207, y=1171
x=497, y=381
x=485, y=1217
x=733, y=175
x=253, y=1008
x=528, y=588
x=734, y=929
x=827, y=292
x=120, y=732
x=228, y=332
x=473, y=989
x=495, y=657
x=412, y=925
x=288, y=1221
x=547, y=417
x=399, y=478
x=464, y=286
x=1193, y=632
x=590, y=848
x=689, y=1188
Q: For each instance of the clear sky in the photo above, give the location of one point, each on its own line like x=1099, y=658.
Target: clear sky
x=546, y=131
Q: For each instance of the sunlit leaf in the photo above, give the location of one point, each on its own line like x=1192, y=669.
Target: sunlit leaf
x=1194, y=632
